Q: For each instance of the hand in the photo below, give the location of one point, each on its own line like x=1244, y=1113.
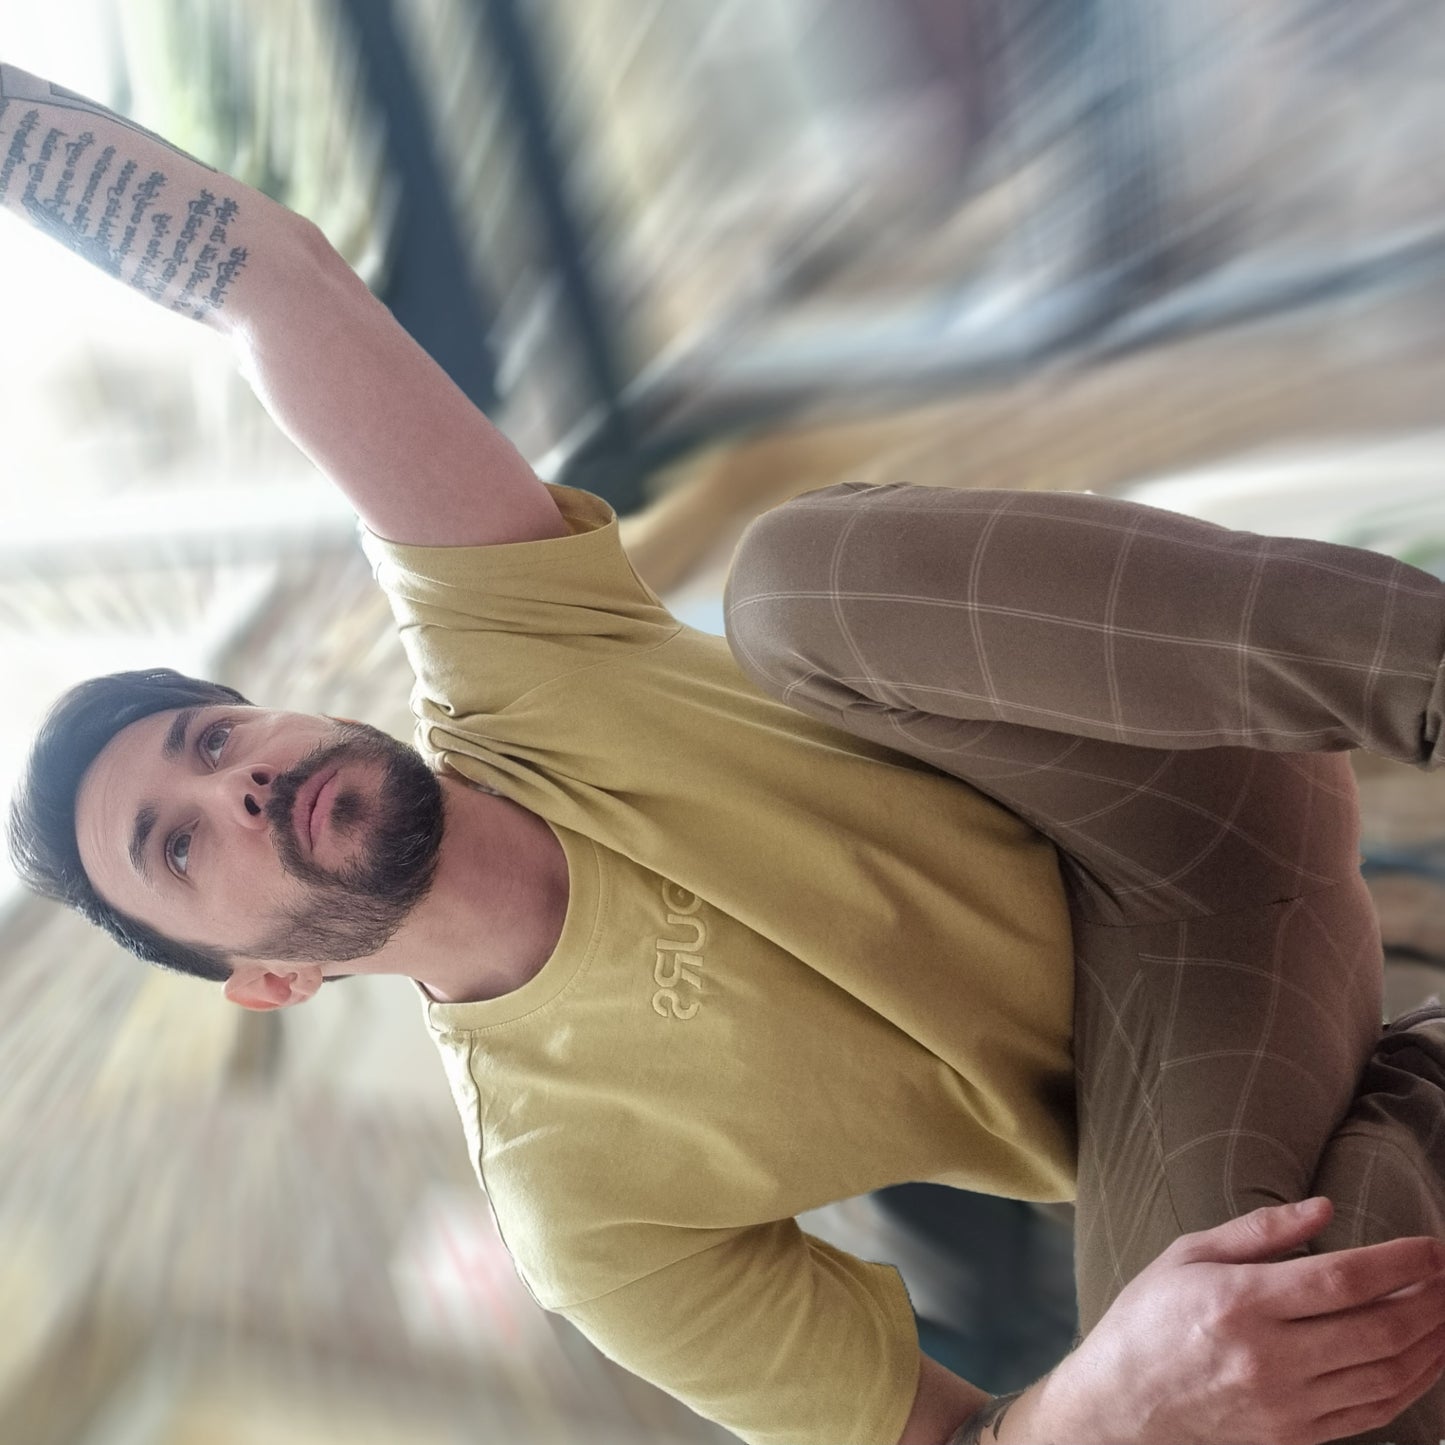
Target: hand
x=1212, y=1345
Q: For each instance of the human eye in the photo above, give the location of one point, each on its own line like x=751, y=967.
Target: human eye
x=212, y=741
x=178, y=851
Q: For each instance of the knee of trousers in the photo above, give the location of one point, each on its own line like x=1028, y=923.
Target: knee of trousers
x=791, y=606
x=770, y=626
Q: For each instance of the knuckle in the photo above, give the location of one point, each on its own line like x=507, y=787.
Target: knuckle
x=1257, y=1225
x=1247, y=1369
x=1333, y=1281
x=1229, y=1311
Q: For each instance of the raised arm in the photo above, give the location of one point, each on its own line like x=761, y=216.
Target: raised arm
x=330, y=363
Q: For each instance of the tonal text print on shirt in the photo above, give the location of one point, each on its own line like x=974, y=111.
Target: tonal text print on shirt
x=678, y=970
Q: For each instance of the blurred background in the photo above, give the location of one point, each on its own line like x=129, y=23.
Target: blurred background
x=696, y=256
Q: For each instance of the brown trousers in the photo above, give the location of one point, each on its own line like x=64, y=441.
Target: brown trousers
x=1168, y=701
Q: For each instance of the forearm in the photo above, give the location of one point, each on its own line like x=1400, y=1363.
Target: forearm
x=187, y=236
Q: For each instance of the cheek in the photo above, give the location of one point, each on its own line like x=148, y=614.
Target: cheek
x=248, y=883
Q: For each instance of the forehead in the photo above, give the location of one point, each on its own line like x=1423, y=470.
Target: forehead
x=129, y=773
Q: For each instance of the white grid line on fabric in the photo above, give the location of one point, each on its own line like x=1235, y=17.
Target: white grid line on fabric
x=1245, y=1100
x=1132, y=790
x=1256, y=578
x=1209, y=736
x=1097, y=850
x=1299, y=764
x=1145, y=1098
x=1177, y=1061
x=1079, y=624
x=1372, y=681
x=1361, y=1209
x=975, y=618
x=836, y=594
x=1224, y=828
x=1258, y=1135
x=1069, y=743
x=1111, y=631
x=1233, y=965
x=1428, y=588
x=1379, y=1145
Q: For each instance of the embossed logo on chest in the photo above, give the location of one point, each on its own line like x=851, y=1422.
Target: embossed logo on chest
x=678, y=969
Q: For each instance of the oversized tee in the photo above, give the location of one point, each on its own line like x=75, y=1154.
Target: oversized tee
x=794, y=967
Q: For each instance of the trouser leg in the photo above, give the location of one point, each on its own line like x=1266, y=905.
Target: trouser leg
x=1167, y=701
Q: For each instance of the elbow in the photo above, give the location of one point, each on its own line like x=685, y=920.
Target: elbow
x=289, y=269
x=312, y=244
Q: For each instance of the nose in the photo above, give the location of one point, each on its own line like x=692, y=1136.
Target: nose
x=248, y=789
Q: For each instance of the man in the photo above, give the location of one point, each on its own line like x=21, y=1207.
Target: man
x=697, y=962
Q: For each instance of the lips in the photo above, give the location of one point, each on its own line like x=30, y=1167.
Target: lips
x=306, y=815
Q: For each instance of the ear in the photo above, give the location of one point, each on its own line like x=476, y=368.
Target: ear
x=264, y=986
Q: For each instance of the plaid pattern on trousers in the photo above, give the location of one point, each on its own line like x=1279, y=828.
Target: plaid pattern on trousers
x=1168, y=701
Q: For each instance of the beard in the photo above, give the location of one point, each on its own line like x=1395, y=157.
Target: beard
x=354, y=911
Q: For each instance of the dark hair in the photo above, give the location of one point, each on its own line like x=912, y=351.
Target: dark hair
x=43, y=846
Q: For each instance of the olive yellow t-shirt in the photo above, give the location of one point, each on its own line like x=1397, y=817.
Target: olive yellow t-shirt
x=795, y=967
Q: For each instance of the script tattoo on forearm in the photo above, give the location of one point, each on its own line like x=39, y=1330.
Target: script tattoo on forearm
x=174, y=250
x=989, y=1417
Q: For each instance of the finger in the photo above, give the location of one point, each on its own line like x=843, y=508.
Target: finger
x=1320, y=1284
x=1262, y=1234
x=1380, y=1331
x=1376, y=1401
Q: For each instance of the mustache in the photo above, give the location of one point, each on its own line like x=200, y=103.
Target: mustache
x=287, y=785
x=350, y=742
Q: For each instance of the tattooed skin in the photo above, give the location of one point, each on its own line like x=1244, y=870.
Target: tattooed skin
x=990, y=1417
x=20, y=85
x=64, y=165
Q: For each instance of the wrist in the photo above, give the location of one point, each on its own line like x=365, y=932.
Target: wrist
x=982, y=1426
x=1051, y=1411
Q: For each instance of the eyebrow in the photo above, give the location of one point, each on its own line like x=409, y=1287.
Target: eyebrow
x=172, y=746
x=175, y=741
x=145, y=820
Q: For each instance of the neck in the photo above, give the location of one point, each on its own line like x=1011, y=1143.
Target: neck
x=495, y=908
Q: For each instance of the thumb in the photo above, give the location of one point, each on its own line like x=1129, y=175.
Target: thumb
x=1257, y=1236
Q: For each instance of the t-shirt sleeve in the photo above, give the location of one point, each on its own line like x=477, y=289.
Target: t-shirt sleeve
x=774, y=1334
x=483, y=626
